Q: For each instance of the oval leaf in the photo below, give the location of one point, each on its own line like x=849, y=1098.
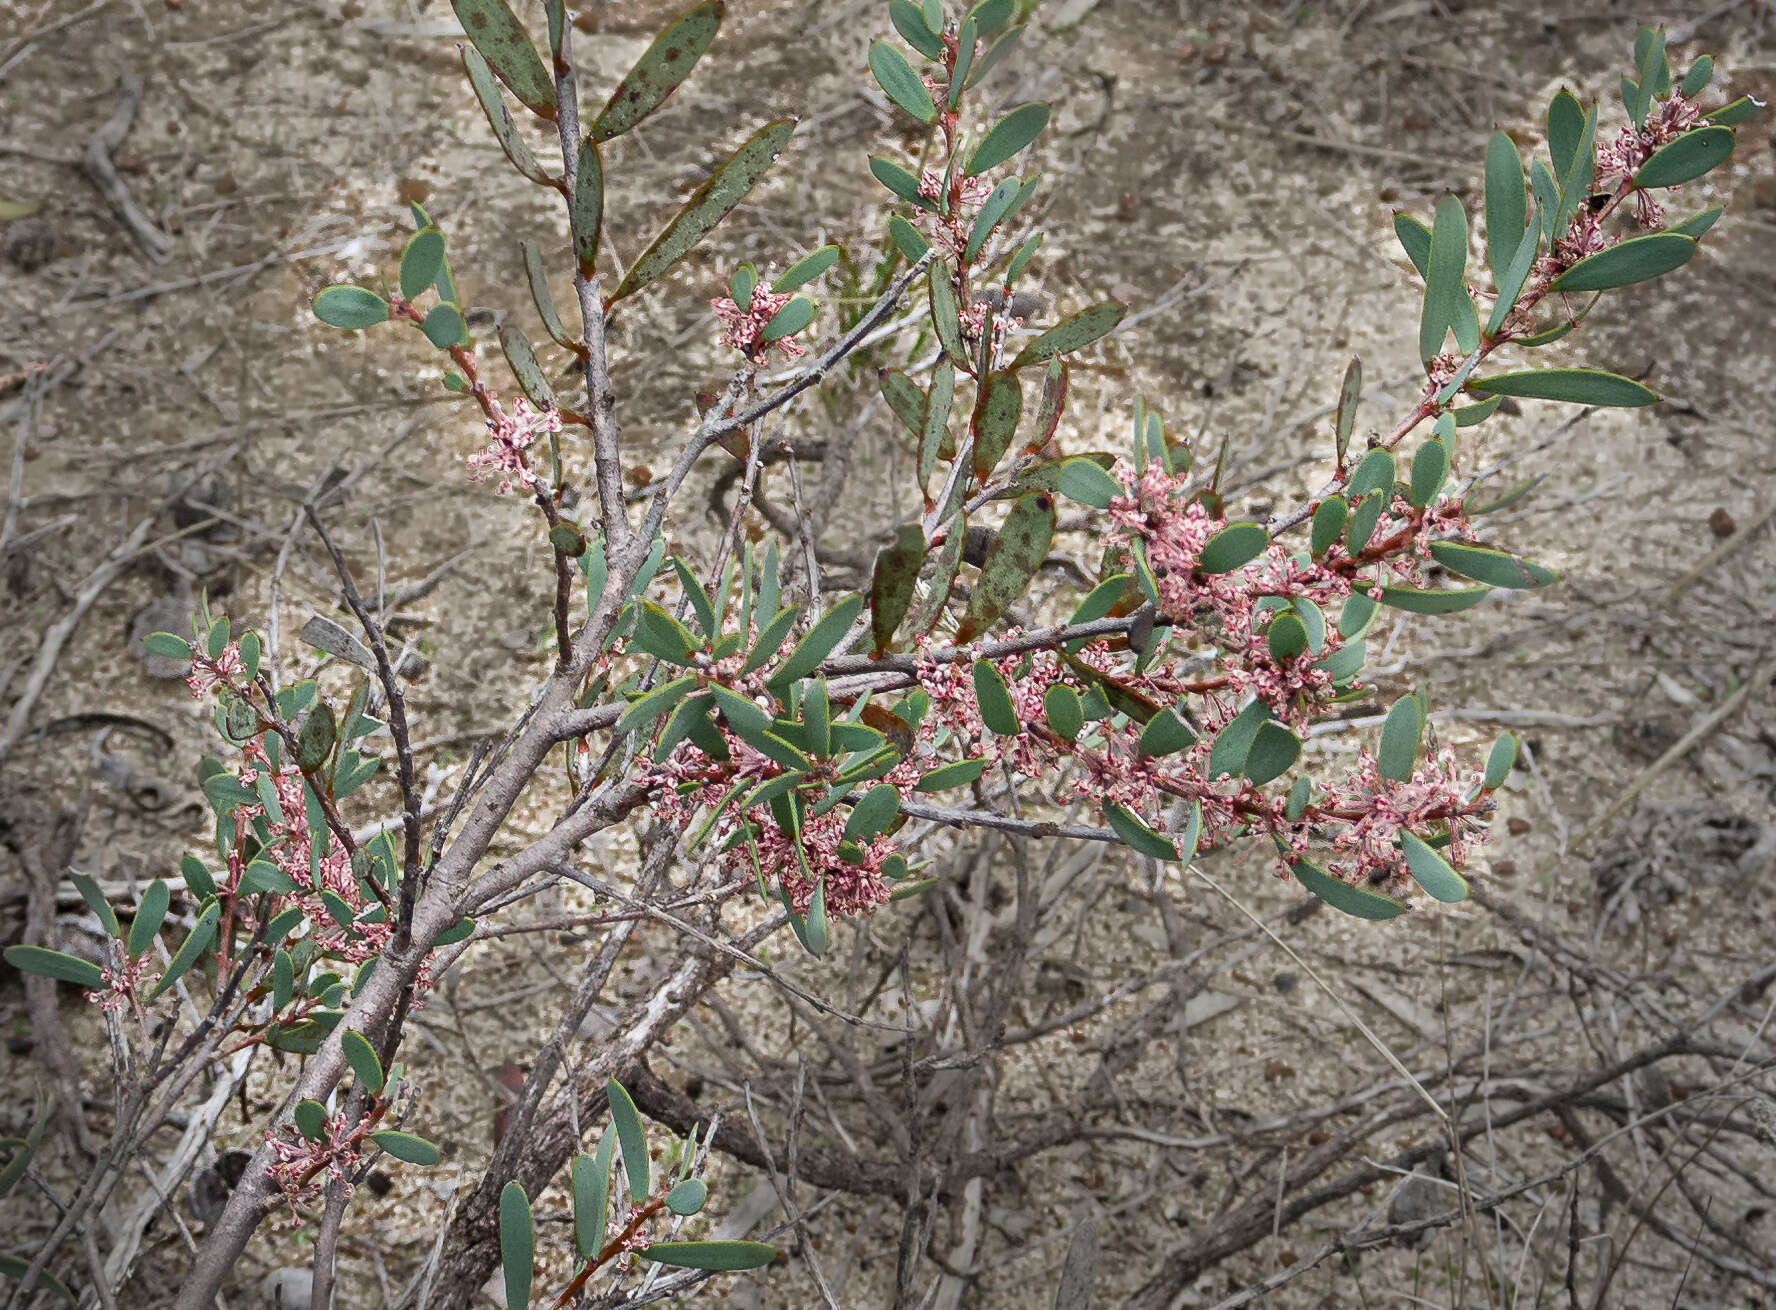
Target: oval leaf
x=1580, y=386
x=687, y=1197
x=45, y=963
x=362, y=1058
x=1072, y=334
x=820, y=642
x=1397, y=753
x=626, y=1119
x=407, y=1148
x=503, y=42
x=711, y=1255
x=660, y=71
x=203, y=932
x=1008, y=136
x=1687, y=158
x=1358, y=902
x=1010, y=563
x=421, y=261
x=895, y=582
x=150, y=914
x=1493, y=567
x=1638, y=259
x=1235, y=546
x=1137, y=836
x=517, y=1245
x=993, y=699
x=1431, y=871
x=350, y=307
x=806, y=269
x=903, y=86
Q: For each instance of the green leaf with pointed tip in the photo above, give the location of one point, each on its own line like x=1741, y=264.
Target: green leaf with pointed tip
x=362, y=1058
x=517, y=1245
x=445, y=326
x=1137, y=836
x=1467, y=416
x=1506, y=202
x=701, y=606
x=996, y=414
x=933, y=425
x=1073, y=333
x=660, y=71
x=1233, y=547
x=1700, y=75
x=150, y=914
x=1515, y=274
x=1431, y=871
x=1731, y=115
x=1687, y=158
x=906, y=237
x=586, y=208
x=711, y=1255
x=902, y=184
x=901, y=84
x=967, y=37
x=820, y=642
x=1008, y=136
x=1345, y=416
x=1086, y=481
x=1447, y=306
x=894, y=583
x=789, y=320
x=1696, y=225
x=807, y=268
x=94, y=897
x=1499, y=761
x=770, y=638
x=1274, y=752
x=626, y=1119
x=1328, y=524
x=203, y=932
x=310, y=1118
x=1011, y=562
x=997, y=204
x=408, y=1148
x=421, y=261
x=45, y=963
x=1493, y=567
x=1415, y=240
x=503, y=42
x=524, y=366
x=910, y=23
x=1359, y=902
x=905, y=398
x=659, y=634
x=1652, y=71
x=16, y=1267
x=591, y=1196
x=1415, y=601
x=1638, y=259
x=873, y=814
x=945, y=776
x=708, y=205
x=499, y=118
x=539, y=281
x=1430, y=470
x=656, y=703
x=1397, y=753
x=1575, y=181
x=350, y=307
x=946, y=313
x=1061, y=706
x=1580, y=386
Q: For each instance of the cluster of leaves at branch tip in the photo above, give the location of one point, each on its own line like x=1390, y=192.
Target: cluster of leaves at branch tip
x=1173, y=704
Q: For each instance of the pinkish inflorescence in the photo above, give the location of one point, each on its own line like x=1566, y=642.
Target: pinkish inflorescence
x=744, y=329
x=506, y=454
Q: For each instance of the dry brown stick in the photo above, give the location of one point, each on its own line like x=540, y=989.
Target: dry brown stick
x=154, y=243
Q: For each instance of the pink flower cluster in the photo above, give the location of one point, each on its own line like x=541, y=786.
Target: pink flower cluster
x=303, y=1167
x=123, y=982
x=1619, y=160
x=744, y=329
x=950, y=233
x=208, y=674
x=505, y=455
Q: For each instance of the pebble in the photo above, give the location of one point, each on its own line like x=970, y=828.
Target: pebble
x=290, y=1288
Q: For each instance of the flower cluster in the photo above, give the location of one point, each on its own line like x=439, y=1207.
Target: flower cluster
x=208, y=674
x=949, y=231
x=1619, y=160
x=302, y=1167
x=505, y=455
x=744, y=329
x=122, y=987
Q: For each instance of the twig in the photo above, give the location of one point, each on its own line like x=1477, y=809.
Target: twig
x=154, y=243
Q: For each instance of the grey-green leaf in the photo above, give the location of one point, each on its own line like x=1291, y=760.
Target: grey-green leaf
x=1397, y=755
x=1638, y=259
x=1358, y=902
x=350, y=307
x=903, y=86
x=517, y=1245
x=1431, y=871
x=1008, y=136
x=1506, y=201
x=1011, y=561
x=503, y=42
x=1072, y=333
x=586, y=208
x=421, y=261
x=1447, y=306
x=150, y=914
x=1581, y=386
x=61, y=966
x=660, y=71
x=708, y=205
x=499, y=118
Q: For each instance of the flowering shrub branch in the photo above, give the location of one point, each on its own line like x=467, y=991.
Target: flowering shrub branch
x=788, y=755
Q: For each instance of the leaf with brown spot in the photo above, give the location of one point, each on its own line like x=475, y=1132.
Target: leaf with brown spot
x=1052, y=405
x=708, y=205
x=996, y=413
x=503, y=42
x=1012, y=560
x=658, y=73
x=895, y=583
